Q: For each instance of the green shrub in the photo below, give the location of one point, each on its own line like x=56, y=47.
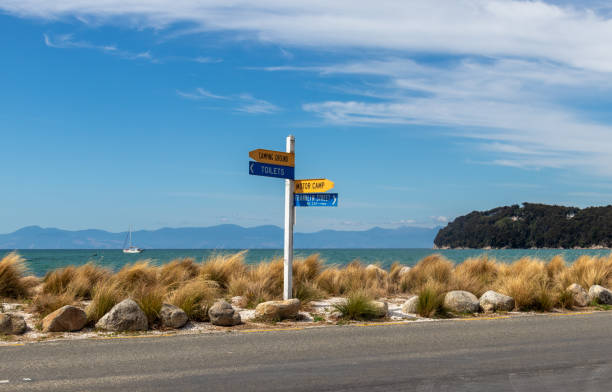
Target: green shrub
x=358, y=306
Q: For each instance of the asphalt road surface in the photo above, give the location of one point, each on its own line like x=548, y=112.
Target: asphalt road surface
x=536, y=353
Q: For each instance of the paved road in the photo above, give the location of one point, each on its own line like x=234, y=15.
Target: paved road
x=539, y=353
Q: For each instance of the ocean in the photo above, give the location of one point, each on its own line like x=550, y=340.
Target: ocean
x=41, y=261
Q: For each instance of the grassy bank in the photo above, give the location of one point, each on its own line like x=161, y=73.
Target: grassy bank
x=194, y=286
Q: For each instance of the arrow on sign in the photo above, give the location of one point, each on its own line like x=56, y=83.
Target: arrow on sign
x=316, y=200
x=313, y=186
x=263, y=169
x=273, y=157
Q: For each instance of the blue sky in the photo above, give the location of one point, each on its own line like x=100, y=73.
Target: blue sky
x=130, y=112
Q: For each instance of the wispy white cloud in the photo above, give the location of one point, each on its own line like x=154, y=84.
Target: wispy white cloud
x=577, y=34
x=244, y=102
x=512, y=110
x=67, y=41
x=207, y=60
x=250, y=104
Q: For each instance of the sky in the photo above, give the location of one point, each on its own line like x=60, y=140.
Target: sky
x=130, y=112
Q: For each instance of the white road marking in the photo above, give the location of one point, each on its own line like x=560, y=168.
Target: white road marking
x=27, y=379
x=4, y=381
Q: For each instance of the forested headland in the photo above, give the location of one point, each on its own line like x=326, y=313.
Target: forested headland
x=530, y=226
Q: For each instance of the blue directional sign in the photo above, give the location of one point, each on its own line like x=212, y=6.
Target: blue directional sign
x=268, y=170
x=316, y=199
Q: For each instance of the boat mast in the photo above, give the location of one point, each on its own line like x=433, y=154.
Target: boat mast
x=130, y=236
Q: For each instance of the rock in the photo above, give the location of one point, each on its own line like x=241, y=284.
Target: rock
x=278, y=310
x=305, y=316
x=240, y=301
x=403, y=271
x=125, y=316
x=459, y=301
x=580, y=295
x=65, y=319
x=12, y=324
x=172, y=316
x=222, y=314
x=492, y=301
x=410, y=306
x=600, y=294
x=335, y=316
x=381, y=308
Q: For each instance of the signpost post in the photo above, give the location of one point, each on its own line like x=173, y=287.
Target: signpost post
x=300, y=193
x=289, y=221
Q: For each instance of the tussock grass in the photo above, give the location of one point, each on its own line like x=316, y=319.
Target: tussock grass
x=44, y=304
x=221, y=268
x=475, y=275
x=358, y=306
x=588, y=271
x=150, y=299
x=105, y=296
x=177, y=272
x=195, y=298
x=57, y=281
x=533, y=283
x=12, y=269
x=431, y=299
x=433, y=268
x=133, y=276
x=79, y=281
x=526, y=280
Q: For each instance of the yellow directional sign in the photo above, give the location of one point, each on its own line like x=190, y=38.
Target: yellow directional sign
x=273, y=157
x=313, y=186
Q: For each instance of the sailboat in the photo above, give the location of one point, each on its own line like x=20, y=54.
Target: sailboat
x=131, y=248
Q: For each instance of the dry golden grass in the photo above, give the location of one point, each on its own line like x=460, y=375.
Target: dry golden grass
x=105, y=295
x=57, y=281
x=533, y=283
x=43, y=304
x=12, y=269
x=587, y=271
x=133, y=276
x=79, y=281
x=178, y=271
x=150, y=299
x=526, y=280
x=195, y=298
x=433, y=268
x=221, y=268
x=475, y=275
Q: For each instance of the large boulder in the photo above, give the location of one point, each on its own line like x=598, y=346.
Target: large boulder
x=380, y=308
x=222, y=313
x=579, y=294
x=240, y=301
x=492, y=301
x=12, y=324
x=600, y=294
x=278, y=310
x=66, y=319
x=410, y=306
x=459, y=301
x=125, y=316
x=172, y=316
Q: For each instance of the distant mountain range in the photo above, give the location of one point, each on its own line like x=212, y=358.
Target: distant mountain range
x=217, y=237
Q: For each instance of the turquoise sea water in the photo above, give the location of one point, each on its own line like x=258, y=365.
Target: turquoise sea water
x=41, y=261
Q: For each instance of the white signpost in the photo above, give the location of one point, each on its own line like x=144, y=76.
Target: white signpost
x=289, y=222
x=281, y=165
